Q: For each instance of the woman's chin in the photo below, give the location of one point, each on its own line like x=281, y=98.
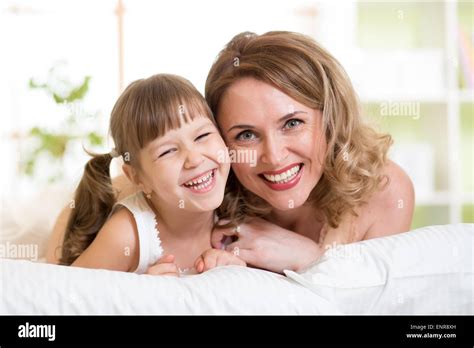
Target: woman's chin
x=285, y=203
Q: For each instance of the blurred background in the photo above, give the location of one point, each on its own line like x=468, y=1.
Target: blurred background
x=64, y=63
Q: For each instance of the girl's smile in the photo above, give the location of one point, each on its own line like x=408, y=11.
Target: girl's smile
x=183, y=167
x=203, y=183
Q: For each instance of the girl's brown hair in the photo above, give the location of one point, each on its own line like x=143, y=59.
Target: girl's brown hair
x=147, y=109
x=298, y=66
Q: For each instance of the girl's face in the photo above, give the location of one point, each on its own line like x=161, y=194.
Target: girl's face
x=187, y=168
x=287, y=136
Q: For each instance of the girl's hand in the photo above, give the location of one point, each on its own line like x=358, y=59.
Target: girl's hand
x=268, y=246
x=164, y=266
x=214, y=258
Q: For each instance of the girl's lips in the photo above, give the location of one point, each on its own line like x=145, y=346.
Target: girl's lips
x=205, y=187
x=198, y=176
x=286, y=185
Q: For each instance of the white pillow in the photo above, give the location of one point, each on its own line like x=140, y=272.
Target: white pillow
x=421, y=272
x=36, y=288
x=426, y=271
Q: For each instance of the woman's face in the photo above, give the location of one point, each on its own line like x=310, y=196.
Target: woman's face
x=184, y=168
x=286, y=135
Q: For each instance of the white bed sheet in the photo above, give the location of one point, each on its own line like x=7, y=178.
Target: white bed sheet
x=35, y=288
x=427, y=271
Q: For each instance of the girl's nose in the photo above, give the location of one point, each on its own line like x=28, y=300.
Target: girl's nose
x=193, y=159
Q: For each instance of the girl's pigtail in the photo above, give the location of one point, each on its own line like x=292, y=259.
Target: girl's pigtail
x=93, y=202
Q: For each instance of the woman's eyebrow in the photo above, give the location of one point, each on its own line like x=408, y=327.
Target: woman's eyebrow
x=281, y=119
x=290, y=115
x=241, y=126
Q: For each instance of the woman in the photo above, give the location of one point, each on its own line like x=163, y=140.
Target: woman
x=322, y=175
x=283, y=96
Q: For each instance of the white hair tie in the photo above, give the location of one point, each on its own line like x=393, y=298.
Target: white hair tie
x=114, y=153
x=236, y=230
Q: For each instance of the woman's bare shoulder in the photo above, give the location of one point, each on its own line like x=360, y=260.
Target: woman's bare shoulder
x=390, y=210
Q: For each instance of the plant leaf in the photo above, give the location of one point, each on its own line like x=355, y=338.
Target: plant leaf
x=95, y=139
x=79, y=92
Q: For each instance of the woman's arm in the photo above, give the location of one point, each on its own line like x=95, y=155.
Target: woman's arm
x=268, y=246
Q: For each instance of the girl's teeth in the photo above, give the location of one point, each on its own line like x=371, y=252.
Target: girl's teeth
x=200, y=183
x=283, y=177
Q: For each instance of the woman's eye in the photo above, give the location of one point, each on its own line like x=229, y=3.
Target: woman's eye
x=202, y=136
x=292, y=123
x=166, y=152
x=245, y=135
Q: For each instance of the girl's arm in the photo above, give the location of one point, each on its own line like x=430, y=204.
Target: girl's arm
x=116, y=246
x=53, y=252
x=212, y=258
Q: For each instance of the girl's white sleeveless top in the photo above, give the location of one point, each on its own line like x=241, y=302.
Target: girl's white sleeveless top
x=150, y=249
x=148, y=234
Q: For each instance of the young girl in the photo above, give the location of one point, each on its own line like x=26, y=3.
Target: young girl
x=166, y=134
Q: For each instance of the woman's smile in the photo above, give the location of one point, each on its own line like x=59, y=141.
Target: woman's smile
x=283, y=179
x=286, y=135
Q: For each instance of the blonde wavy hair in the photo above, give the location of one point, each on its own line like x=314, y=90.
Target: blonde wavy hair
x=298, y=66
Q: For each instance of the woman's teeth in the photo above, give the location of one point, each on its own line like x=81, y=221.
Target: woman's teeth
x=200, y=183
x=284, y=177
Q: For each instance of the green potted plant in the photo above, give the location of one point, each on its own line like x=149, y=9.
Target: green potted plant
x=51, y=145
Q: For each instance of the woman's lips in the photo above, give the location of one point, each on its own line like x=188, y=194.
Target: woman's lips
x=282, y=170
x=287, y=178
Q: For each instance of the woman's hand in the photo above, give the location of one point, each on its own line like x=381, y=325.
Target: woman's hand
x=164, y=266
x=212, y=258
x=265, y=245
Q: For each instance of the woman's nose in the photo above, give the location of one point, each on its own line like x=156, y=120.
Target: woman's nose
x=274, y=151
